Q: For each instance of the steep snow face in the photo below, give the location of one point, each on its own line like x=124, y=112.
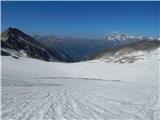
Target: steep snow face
x=34, y=89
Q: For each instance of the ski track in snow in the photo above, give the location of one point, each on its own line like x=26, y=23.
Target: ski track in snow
x=79, y=100
x=38, y=90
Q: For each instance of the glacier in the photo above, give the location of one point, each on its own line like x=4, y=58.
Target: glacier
x=91, y=90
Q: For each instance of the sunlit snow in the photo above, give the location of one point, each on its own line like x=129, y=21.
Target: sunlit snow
x=92, y=90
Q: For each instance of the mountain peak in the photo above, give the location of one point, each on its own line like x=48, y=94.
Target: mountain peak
x=11, y=32
x=118, y=36
x=10, y=29
x=14, y=42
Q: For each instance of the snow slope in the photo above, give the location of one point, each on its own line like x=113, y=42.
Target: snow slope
x=93, y=90
x=136, y=56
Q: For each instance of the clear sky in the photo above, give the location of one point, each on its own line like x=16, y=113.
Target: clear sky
x=89, y=19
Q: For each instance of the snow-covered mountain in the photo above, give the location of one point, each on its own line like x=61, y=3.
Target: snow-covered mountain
x=34, y=89
x=118, y=38
x=18, y=44
x=129, y=53
x=80, y=48
x=58, y=48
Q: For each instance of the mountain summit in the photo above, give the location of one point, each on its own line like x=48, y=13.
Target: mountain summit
x=118, y=38
x=17, y=44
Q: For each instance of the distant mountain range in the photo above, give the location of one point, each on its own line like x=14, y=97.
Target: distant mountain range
x=115, y=47
x=76, y=48
x=80, y=49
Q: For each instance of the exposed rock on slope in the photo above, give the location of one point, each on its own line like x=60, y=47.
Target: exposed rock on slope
x=128, y=53
x=80, y=48
x=16, y=43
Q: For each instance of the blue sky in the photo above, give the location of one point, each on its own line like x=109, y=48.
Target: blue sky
x=82, y=19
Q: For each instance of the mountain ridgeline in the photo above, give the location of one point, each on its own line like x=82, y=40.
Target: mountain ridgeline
x=128, y=53
x=116, y=47
x=16, y=43
x=88, y=49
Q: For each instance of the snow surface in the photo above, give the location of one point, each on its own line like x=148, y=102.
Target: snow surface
x=93, y=90
x=124, y=56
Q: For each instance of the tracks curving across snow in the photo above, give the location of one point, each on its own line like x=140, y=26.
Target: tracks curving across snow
x=93, y=90
x=79, y=100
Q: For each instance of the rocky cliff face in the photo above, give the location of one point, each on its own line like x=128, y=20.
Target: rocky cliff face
x=16, y=43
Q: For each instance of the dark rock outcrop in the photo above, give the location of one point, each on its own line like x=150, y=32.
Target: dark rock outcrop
x=15, y=42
